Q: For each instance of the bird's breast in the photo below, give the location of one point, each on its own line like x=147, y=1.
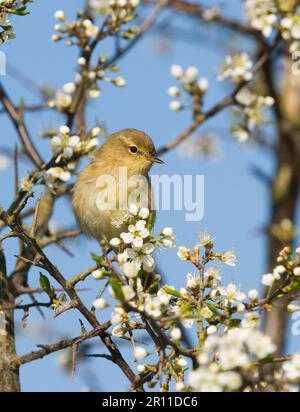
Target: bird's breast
x=101, y=199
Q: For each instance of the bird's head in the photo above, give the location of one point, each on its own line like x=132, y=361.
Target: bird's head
x=132, y=148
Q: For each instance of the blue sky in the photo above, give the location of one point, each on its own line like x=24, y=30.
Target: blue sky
x=236, y=203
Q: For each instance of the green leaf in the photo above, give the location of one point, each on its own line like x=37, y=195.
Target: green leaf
x=97, y=258
x=116, y=287
x=151, y=220
x=153, y=286
x=47, y=288
x=295, y=284
x=186, y=308
x=20, y=12
x=172, y=292
x=212, y=308
x=45, y=283
x=264, y=361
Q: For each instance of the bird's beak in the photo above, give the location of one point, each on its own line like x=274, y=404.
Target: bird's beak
x=157, y=160
x=154, y=159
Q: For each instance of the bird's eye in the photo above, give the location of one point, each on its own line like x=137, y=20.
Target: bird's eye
x=133, y=149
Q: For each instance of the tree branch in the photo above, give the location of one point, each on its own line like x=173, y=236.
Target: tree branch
x=63, y=344
x=223, y=104
x=19, y=124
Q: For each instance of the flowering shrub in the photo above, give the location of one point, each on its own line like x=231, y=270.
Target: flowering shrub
x=231, y=353
x=193, y=86
x=7, y=8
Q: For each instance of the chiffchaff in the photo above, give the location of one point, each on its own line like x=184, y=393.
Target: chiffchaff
x=104, y=190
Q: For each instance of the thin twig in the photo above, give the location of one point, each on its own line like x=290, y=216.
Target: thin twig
x=223, y=104
x=19, y=124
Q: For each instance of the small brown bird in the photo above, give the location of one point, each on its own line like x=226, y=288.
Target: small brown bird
x=120, y=166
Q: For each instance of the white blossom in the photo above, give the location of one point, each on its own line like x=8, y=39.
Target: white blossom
x=237, y=68
x=191, y=281
x=293, y=307
x=59, y=15
x=229, y=258
x=141, y=368
x=291, y=368
x=203, y=84
x=183, y=253
x=211, y=330
x=90, y=29
x=175, y=105
x=290, y=27
x=253, y=294
x=69, y=88
x=128, y=292
x=81, y=61
x=268, y=279
x=59, y=173
x=130, y=269
x=117, y=315
x=180, y=386
x=163, y=297
x=205, y=238
x=250, y=112
x=117, y=331
x=119, y=81
x=168, y=237
x=176, y=71
x=190, y=74
x=167, y=231
x=94, y=93
x=100, y=303
x=278, y=271
x=134, y=3
x=212, y=276
x=133, y=209
x=262, y=15
x=260, y=345
x=181, y=362
x=61, y=101
x=115, y=242
x=296, y=271
x=153, y=306
x=140, y=353
x=251, y=320
x=175, y=333
x=96, y=131
x=231, y=358
x=65, y=143
x=97, y=274
x=136, y=235
x=206, y=312
x=232, y=293
x=173, y=91
x=91, y=144
x=141, y=257
x=144, y=213
x=240, y=133
x=240, y=307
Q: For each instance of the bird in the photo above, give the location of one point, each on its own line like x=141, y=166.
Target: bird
x=124, y=155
